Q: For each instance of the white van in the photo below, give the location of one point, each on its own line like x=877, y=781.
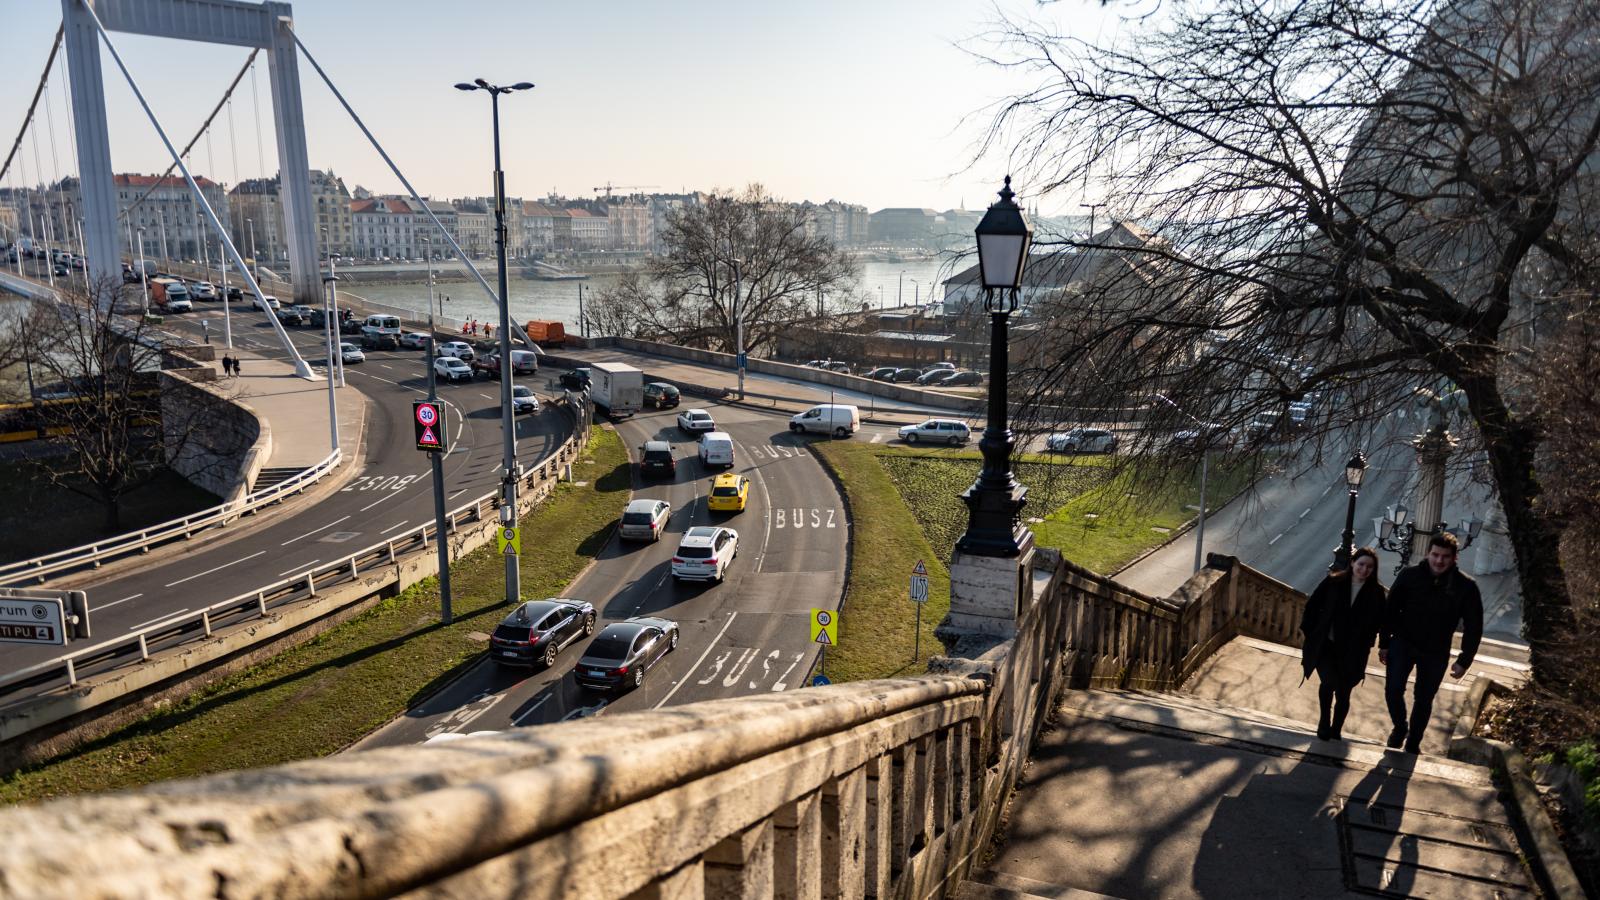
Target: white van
x=828, y=418
x=716, y=448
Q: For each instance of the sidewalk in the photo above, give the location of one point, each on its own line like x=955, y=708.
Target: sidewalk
x=296, y=410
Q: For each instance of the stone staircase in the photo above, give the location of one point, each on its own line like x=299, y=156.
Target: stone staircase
x=274, y=475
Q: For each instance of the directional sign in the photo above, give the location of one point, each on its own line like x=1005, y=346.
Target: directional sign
x=32, y=621
x=509, y=540
x=820, y=679
x=825, y=627
x=919, y=583
x=429, y=415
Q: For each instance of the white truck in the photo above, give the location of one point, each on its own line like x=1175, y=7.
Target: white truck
x=618, y=387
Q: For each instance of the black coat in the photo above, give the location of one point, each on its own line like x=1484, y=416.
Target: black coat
x=1357, y=625
x=1424, y=610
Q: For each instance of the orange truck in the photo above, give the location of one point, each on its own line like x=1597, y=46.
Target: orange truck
x=546, y=333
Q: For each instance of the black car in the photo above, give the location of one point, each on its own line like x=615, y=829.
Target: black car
x=290, y=316
x=661, y=395
x=934, y=376
x=576, y=380
x=904, y=376
x=958, y=379
x=881, y=373
x=655, y=458
x=539, y=629
x=235, y=293
x=620, y=655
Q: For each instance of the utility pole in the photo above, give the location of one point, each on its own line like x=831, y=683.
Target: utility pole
x=738, y=323
x=1091, y=207
x=333, y=355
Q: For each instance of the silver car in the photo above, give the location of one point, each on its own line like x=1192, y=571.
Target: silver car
x=937, y=431
x=644, y=520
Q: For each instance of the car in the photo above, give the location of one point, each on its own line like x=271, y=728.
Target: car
x=730, y=491
x=1268, y=425
x=537, y=630
x=1082, y=440
x=623, y=652
x=201, y=290
x=694, y=421
x=459, y=349
x=60, y=270
x=961, y=378
x=934, y=376
x=716, y=449
x=523, y=399
x=904, y=376
x=451, y=369
x=577, y=379
x=350, y=353
x=273, y=303
x=304, y=311
x=655, y=458
x=942, y=364
x=661, y=395
x=78, y=262
x=704, y=553
x=523, y=362
x=291, y=316
x=1210, y=434
x=644, y=520
x=937, y=431
x=351, y=325
x=841, y=368
x=881, y=373
x=815, y=363
x=414, y=340
x=234, y=292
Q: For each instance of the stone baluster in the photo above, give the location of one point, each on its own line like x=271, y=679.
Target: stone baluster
x=740, y=867
x=797, y=849
x=844, y=836
x=880, y=825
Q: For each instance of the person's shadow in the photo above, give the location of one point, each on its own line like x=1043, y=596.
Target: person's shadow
x=1378, y=802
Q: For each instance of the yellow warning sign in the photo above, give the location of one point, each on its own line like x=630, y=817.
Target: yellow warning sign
x=824, y=627
x=509, y=540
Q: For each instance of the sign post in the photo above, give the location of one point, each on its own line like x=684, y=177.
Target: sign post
x=824, y=631
x=509, y=540
x=428, y=416
x=919, y=596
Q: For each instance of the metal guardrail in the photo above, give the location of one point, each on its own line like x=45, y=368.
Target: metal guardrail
x=40, y=567
x=255, y=603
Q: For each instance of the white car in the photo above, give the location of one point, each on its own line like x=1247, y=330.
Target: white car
x=414, y=340
x=705, y=553
x=523, y=400
x=696, y=420
x=350, y=353
x=449, y=368
x=645, y=520
x=1082, y=440
x=203, y=290
x=457, y=349
x=272, y=303
x=937, y=431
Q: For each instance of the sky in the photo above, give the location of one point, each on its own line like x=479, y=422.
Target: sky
x=866, y=101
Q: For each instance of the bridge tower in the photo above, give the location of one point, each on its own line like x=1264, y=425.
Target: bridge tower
x=237, y=22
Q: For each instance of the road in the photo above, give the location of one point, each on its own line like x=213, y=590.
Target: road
x=747, y=635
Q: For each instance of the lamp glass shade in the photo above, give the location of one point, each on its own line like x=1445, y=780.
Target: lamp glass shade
x=1003, y=240
x=1354, y=469
x=1400, y=515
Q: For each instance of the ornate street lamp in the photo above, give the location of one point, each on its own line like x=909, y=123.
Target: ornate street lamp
x=1396, y=532
x=995, y=500
x=1353, y=471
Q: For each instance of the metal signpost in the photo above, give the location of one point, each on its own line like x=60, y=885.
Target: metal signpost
x=824, y=631
x=428, y=417
x=919, y=596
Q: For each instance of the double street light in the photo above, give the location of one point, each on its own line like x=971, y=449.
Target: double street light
x=1397, y=532
x=508, y=427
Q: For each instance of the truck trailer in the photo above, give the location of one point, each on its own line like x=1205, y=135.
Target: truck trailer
x=617, y=387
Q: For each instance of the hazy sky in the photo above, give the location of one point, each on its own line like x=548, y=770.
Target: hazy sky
x=857, y=100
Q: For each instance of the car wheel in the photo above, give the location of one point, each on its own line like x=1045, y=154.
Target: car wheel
x=550, y=656
x=672, y=641
x=955, y=441
x=795, y=428
x=638, y=676
x=588, y=625
x=911, y=438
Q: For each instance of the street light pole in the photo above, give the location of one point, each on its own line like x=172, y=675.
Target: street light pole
x=508, y=479
x=738, y=323
x=144, y=280
x=333, y=353
x=1204, y=437
x=1353, y=472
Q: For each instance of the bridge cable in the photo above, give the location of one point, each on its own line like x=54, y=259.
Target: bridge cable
x=28, y=117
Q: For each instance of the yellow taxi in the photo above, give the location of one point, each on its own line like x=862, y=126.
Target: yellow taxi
x=729, y=493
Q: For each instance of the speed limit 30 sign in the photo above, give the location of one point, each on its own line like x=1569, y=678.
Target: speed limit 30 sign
x=429, y=421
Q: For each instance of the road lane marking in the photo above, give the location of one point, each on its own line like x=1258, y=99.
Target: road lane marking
x=1307, y=512
x=485, y=396
x=783, y=680
x=703, y=654
x=313, y=531
x=300, y=568
x=380, y=500
x=1326, y=490
x=164, y=616
x=1276, y=539
x=530, y=711
x=737, y=671
x=876, y=438
x=459, y=493
x=223, y=566
x=393, y=527
x=123, y=600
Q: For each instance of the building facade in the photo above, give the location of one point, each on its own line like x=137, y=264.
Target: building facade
x=474, y=228
x=332, y=201
x=254, y=211
x=384, y=227
x=631, y=227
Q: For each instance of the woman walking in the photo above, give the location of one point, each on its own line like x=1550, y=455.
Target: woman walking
x=1340, y=625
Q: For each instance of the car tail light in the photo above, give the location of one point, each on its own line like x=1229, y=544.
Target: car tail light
x=677, y=561
x=620, y=670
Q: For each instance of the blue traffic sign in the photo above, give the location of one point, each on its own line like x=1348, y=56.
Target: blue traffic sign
x=819, y=680
x=744, y=361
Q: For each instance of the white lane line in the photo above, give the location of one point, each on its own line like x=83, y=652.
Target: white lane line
x=530, y=711
x=696, y=667
x=379, y=500
x=1326, y=490
x=393, y=527
x=300, y=568
x=459, y=493
x=876, y=438
x=314, y=531
x=115, y=602
x=387, y=366
x=163, y=616
x=1276, y=539
x=1305, y=512
x=223, y=566
x=485, y=396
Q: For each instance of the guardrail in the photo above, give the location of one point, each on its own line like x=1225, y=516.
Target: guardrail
x=255, y=603
x=41, y=567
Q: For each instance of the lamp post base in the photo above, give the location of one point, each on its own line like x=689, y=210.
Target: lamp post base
x=988, y=594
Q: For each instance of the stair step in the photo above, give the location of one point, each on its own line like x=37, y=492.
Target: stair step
x=274, y=475
x=987, y=884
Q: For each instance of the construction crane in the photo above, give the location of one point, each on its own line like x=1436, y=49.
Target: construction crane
x=608, y=187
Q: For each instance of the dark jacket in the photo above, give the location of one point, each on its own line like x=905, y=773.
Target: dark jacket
x=1424, y=610
x=1351, y=627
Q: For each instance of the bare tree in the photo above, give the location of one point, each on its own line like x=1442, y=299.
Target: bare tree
x=690, y=296
x=1356, y=199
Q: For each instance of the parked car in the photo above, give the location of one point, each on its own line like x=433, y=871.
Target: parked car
x=661, y=395
x=1268, y=425
x=644, y=520
x=942, y=364
x=536, y=631
x=523, y=399
x=60, y=270
x=449, y=368
x=577, y=379
x=881, y=373
x=904, y=376
x=962, y=378
x=694, y=421
x=841, y=368
x=730, y=491
x=704, y=553
x=414, y=340
x=655, y=458
x=934, y=376
x=620, y=655
x=716, y=449
x=937, y=431
x=1211, y=435
x=459, y=349
x=350, y=353
x=1082, y=440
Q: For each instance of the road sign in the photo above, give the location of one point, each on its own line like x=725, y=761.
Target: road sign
x=429, y=415
x=825, y=627
x=32, y=621
x=820, y=679
x=743, y=361
x=919, y=583
x=509, y=540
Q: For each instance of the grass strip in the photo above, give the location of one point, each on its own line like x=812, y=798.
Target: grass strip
x=317, y=698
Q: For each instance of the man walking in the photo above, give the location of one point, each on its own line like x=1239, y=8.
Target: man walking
x=1425, y=605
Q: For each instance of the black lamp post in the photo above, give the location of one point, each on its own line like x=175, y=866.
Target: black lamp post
x=995, y=500
x=508, y=427
x=1353, y=471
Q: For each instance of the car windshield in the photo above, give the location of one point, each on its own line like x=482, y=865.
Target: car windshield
x=636, y=518
x=521, y=391
x=609, y=646
x=695, y=552
x=657, y=455
x=727, y=490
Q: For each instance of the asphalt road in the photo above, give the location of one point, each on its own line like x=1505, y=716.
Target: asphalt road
x=747, y=635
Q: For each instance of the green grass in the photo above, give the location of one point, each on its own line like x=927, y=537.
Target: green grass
x=73, y=519
x=328, y=693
